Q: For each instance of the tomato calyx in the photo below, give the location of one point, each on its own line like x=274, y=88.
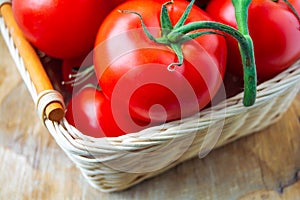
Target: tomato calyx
x=79, y=77
x=174, y=43
x=175, y=36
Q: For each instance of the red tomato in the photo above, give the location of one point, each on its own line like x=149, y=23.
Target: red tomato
x=90, y=112
x=133, y=69
x=61, y=29
x=115, y=3
x=118, y=2
x=275, y=32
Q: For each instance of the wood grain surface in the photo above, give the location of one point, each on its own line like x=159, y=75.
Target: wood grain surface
x=262, y=166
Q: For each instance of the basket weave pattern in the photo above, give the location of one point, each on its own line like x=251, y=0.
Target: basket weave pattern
x=103, y=162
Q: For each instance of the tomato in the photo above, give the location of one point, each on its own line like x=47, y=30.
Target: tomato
x=274, y=29
x=134, y=70
x=91, y=113
x=61, y=29
x=118, y=2
x=115, y=3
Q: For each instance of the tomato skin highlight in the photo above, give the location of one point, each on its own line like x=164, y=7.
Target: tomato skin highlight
x=91, y=113
x=61, y=29
x=126, y=60
x=274, y=30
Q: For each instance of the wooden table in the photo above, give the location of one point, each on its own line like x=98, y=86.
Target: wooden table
x=265, y=165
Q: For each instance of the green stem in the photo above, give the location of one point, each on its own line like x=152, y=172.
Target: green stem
x=241, y=13
x=165, y=21
x=246, y=49
x=178, y=51
x=184, y=16
x=293, y=9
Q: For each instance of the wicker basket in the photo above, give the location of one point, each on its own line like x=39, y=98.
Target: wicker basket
x=113, y=164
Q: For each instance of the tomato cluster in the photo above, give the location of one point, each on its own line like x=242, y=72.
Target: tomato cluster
x=133, y=64
x=274, y=29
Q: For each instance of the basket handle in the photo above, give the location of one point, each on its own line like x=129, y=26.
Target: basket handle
x=49, y=101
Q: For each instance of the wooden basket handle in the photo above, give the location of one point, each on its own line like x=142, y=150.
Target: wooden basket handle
x=54, y=108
